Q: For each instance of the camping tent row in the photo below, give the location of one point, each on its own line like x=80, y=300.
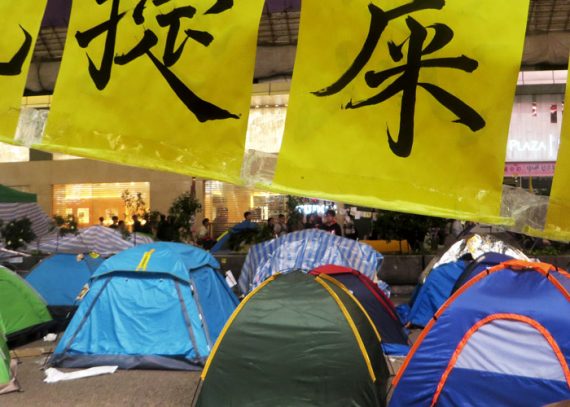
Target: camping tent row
x=306, y=250
x=99, y=239
x=156, y=306
x=163, y=306
x=502, y=339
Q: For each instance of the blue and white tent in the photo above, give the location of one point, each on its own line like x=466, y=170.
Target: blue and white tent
x=61, y=277
x=99, y=239
x=306, y=250
x=501, y=340
x=41, y=222
x=156, y=306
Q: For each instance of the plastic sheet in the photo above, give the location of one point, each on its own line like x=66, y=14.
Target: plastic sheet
x=258, y=167
x=53, y=375
x=31, y=126
x=527, y=210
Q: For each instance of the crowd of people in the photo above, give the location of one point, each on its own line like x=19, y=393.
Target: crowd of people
x=163, y=229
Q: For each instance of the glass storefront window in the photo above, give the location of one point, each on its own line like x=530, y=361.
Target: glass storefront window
x=88, y=202
x=225, y=204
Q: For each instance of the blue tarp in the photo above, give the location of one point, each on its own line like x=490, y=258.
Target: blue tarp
x=435, y=291
x=158, y=306
x=306, y=250
x=60, y=278
x=499, y=338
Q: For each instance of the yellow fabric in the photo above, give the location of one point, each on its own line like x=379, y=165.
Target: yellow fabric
x=16, y=15
x=558, y=219
x=335, y=152
x=352, y=327
x=389, y=246
x=137, y=118
x=230, y=322
x=347, y=292
x=143, y=264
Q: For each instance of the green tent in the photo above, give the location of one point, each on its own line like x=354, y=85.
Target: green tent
x=298, y=340
x=9, y=195
x=21, y=307
x=7, y=382
x=4, y=357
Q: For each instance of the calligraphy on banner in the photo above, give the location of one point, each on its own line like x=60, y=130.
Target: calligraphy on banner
x=20, y=22
x=558, y=216
x=403, y=105
x=162, y=84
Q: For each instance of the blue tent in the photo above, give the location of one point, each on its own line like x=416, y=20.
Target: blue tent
x=481, y=263
x=501, y=340
x=443, y=281
x=435, y=291
x=156, y=306
x=60, y=278
x=224, y=239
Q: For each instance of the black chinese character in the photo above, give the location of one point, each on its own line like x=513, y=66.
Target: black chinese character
x=408, y=79
x=14, y=65
x=202, y=109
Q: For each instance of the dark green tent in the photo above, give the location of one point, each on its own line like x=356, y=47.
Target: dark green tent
x=9, y=195
x=298, y=340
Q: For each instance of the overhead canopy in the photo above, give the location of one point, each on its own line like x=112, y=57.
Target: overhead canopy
x=10, y=195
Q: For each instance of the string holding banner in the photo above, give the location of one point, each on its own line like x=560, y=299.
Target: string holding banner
x=20, y=22
x=406, y=111
x=163, y=85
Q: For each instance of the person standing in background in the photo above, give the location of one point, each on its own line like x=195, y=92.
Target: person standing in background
x=331, y=225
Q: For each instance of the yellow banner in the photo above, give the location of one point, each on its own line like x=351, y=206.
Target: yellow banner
x=558, y=216
x=159, y=84
x=403, y=105
x=20, y=21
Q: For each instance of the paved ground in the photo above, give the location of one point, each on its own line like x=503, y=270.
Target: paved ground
x=124, y=388
x=138, y=388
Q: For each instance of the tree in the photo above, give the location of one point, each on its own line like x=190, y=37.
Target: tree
x=183, y=212
x=134, y=204
x=294, y=214
x=65, y=225
x=17, y=233
x=404, y=226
